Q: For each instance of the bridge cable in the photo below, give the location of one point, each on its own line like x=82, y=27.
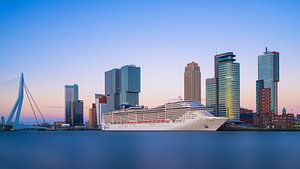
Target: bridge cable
x=35, y=103
x=26, y=91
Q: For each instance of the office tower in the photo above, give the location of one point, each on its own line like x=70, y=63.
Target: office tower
x=192, y=82
x=228, y=86
x=122, y=86
x=259, y=86
x=93, y=117
x=130, y=85
x=77, y=113
x=113, y=89
x=211, y=94
x=265, y=100
x=268, y=77
x=71, y=94
x=216, y=60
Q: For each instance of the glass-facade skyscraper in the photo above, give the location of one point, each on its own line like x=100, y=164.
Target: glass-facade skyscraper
x=71, y=94
x=122, y=86
x=223, y=91
x=77, y=113
x=211, y=94
x=228, y=86
x=268, y=77
x=130, y=85
x=112, y=89
x=73, y=106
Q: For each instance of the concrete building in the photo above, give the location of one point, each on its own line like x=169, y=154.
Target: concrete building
x=112, y=89
x=247, y=116
x=271, y=120
x=93, y=117
x=265, y=100
x=101, y=105
x=192, y=82
x=130, y=85
x=122, y=86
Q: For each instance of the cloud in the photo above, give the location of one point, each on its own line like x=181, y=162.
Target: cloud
x=54, y=107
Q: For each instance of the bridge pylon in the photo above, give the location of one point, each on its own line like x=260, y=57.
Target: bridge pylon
x=17, y=106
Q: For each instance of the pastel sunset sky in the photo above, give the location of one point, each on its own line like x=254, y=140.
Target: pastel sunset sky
x=75, y=41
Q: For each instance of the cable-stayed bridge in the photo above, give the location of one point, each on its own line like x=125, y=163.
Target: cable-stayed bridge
x=16, y=110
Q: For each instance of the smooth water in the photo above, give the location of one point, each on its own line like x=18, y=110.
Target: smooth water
x=149, y=150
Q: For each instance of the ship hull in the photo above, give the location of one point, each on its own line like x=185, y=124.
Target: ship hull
x=208, y=124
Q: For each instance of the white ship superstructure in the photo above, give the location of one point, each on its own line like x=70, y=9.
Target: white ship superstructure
x=179, y=115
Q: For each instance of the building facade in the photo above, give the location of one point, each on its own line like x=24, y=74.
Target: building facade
x=122, y=86
x=211, y=94
x=268, y=77
x=93, y=117
x=223, y=91
x=247, y=116
x=77, y=113
x=71, y=94
x=272, y=120
x=192, y=82
x=265, y=100
x=112, y=89
x=228, y=86
x=130, y=85
x=101, y=104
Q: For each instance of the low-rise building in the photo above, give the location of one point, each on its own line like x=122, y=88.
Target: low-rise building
x=297, y=121
x=270, y=120
x=247, y=116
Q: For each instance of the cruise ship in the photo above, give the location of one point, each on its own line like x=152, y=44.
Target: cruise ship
x=177, y=116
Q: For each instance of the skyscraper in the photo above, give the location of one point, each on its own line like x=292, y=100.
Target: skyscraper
x=73, y=106
x=223, y=91
x=217, y=62
x=112, y=89
x=211, y=94
x=77, y=113
x=268, y=77
x=93, y=117
x=71, y=94
x=130, y=85
x=192, y=82
x=122, y=86
x=228, y=86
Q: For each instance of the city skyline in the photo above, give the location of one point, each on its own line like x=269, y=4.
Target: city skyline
x=93, y=43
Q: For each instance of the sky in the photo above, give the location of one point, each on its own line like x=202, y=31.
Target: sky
x=59, y=42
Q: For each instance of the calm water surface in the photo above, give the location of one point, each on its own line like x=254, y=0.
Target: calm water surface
x=149, y=150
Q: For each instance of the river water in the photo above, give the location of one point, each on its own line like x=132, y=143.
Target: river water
x=149, y=150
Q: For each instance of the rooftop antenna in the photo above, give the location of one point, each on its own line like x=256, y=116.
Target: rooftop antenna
x=216, y=50
x=266, y=50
